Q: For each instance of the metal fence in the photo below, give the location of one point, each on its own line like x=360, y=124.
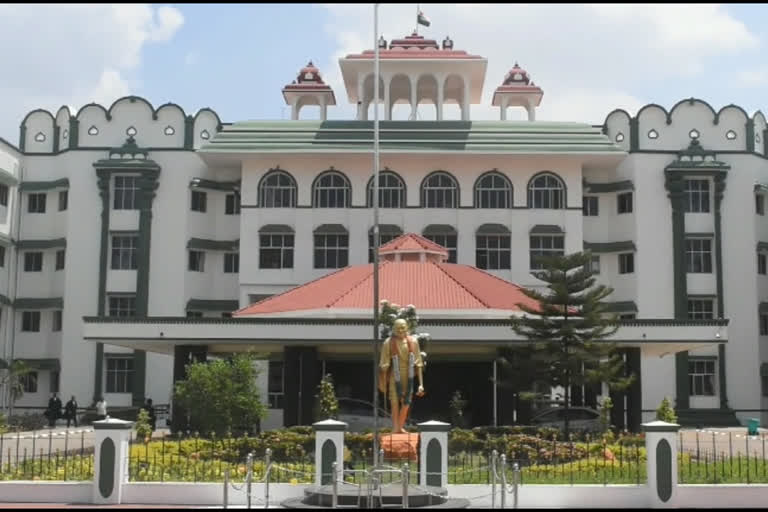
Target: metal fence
x=716, y=457
x=47, y=455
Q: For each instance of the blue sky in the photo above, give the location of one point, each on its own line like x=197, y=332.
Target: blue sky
x=235, y=58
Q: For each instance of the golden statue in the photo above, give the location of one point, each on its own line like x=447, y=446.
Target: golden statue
x=400, y=360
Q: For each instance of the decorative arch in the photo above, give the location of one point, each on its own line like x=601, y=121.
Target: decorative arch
x=383, y=177
x=170, y=105
x=219, y=124
x=133, y=99
x=106, y=113
x=493, y=187
x=543, y=191
x=331, y=189
x=399, y=93
x=440, y=187
x=277, y=189
x=41, y=110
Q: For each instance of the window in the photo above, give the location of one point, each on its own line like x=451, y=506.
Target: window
x=122, y=305
x=33, y=261
x=545, y=245
x=331, y=251
x=124, y=252
x=276, y=384
x=698, y=254
x=30, y=321
x=764, y=324
x=493, y=191
x=28, y=382
x=332, y=190
x=125, y=193
x=231, y=263
x=626, y=263
x=391, y=191
x=276, y=251
x=58, y=320
x=196, y=261
x=493, y=252
x=627, y=316
x=624, y=202
x=60, y=254
x=701, y=377
x=701, y=309
x=589, y=206
x=546, y=191
x=36, y=203
x=3, y=195
x=199, y=200
x=761, y=263
x=194, y=314
x=63, y=200
x=278, y=190
x=760, y=204
x=446, y=240
x=383, y=239
x=226, y=314
x=119, y=374
x=594, y=265
x=2, y=256
x=764, y=384
x=696, y=196
x=440, y=190
x=232, y=206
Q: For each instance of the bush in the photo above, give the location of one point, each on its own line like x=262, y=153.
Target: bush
x=27, y=422
x=143, y=427
x=665, y=412
x=326, y=396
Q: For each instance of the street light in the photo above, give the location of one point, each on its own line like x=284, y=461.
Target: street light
x=376, y=240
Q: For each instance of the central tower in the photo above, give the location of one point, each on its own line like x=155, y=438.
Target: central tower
x=415, y=70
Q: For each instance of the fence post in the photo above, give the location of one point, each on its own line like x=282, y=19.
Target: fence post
x=248, y=478
x=494, y=458
x=329, y=447
x=111, y=456
x=661, y=459
x=267, y=475
x=503, y=481
x=226, y=488
x=516, y=481
x=434, y=453
x=334, y=486
x=405, y=485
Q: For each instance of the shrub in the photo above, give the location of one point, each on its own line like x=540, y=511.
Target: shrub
x=143, y=428
x=665, y=412
x=326, y=396
x=27, y=422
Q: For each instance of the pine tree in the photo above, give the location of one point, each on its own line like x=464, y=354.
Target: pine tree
x=567, y=332
x=329, y=405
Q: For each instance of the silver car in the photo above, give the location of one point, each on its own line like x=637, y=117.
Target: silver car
x=358, y=414
x=579, y=419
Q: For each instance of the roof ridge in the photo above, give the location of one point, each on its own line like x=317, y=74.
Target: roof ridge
x=440, y=266
x=277, y=295
x=358, y=284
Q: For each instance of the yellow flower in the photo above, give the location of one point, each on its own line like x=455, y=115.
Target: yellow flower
x=294, y=481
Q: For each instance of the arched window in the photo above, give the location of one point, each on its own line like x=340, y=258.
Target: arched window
x=439, y=190
x=391, y=191
x=277, y=190
x=331, y=190
x=493, y=190
x=546, y=191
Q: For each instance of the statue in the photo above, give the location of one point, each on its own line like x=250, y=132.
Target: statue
x=401, y=360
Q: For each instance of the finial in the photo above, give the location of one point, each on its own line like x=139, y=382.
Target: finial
x=310, y=64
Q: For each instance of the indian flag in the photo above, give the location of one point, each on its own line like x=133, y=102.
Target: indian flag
x=422, y=20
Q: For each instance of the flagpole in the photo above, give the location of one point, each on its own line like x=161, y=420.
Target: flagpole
x=376, y=238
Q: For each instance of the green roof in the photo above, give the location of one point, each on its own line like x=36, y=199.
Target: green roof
x=504, y=137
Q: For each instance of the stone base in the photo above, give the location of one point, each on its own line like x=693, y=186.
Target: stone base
x=400, y=446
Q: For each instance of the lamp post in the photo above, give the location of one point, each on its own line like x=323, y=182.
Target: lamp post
x=376, y=239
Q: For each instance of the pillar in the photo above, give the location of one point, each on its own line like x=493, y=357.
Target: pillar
x=414, y=98
x=503, y=108
x=295, y=109
x=634, y=393
x=661, y=449
x=387, y=107
x=531, y=112
x=323, y=109
x=110, y=463
x=433, y=465
x=299, y=401
x=182, y=356
x=465, y=103
x=360, y=96
x=329, y=448
x=440, y=100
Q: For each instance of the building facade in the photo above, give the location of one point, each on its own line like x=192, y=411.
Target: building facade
x=135, y=212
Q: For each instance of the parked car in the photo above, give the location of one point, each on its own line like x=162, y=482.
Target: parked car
x=358, y=414
x=579, y=419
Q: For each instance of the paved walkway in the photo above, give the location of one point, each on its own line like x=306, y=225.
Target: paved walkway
x=725, y=441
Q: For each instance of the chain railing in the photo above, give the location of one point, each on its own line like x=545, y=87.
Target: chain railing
x=248, y=482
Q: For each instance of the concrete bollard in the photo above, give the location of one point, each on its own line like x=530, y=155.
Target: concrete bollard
x=434, y=453
x=329, y=448
x=111, y=457
x=661, y=452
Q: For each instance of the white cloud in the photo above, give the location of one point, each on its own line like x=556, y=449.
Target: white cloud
x=73, y=54
x=588, y=59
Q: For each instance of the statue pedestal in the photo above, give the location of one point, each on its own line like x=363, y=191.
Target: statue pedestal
x=399, y=447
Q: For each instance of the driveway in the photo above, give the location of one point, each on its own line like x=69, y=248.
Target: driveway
x=724, y=440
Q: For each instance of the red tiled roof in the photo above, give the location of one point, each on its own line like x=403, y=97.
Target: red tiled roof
x=412, y=242
x=427, y=285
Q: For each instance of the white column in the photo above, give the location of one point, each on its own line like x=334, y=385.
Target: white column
x=294, y=109
x=360, y=96
x=661, y=452
x=328, y=431
x=465, y=103
x=531, y=112
x=414, y=104
x=504, y=102
x=110, y=437
x=366, y=105
x=440, y=93
x=387, y=92
x=436, y=431
x=323, y=108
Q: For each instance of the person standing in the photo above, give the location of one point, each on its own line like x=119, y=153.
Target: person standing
x=70, y=411
x=101, y=408
x=54, y=409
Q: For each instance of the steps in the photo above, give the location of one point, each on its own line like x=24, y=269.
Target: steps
x=700, y=418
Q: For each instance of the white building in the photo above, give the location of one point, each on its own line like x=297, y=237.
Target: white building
x=140, y=212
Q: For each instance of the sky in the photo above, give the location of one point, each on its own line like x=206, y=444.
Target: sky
x=236, y=58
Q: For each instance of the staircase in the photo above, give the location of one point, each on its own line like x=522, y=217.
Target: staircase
x=701, y=418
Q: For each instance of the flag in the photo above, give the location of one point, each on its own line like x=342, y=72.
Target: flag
x=422, y=20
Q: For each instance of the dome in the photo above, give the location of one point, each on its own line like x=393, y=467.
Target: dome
x=517, y=76
x=309, y=74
